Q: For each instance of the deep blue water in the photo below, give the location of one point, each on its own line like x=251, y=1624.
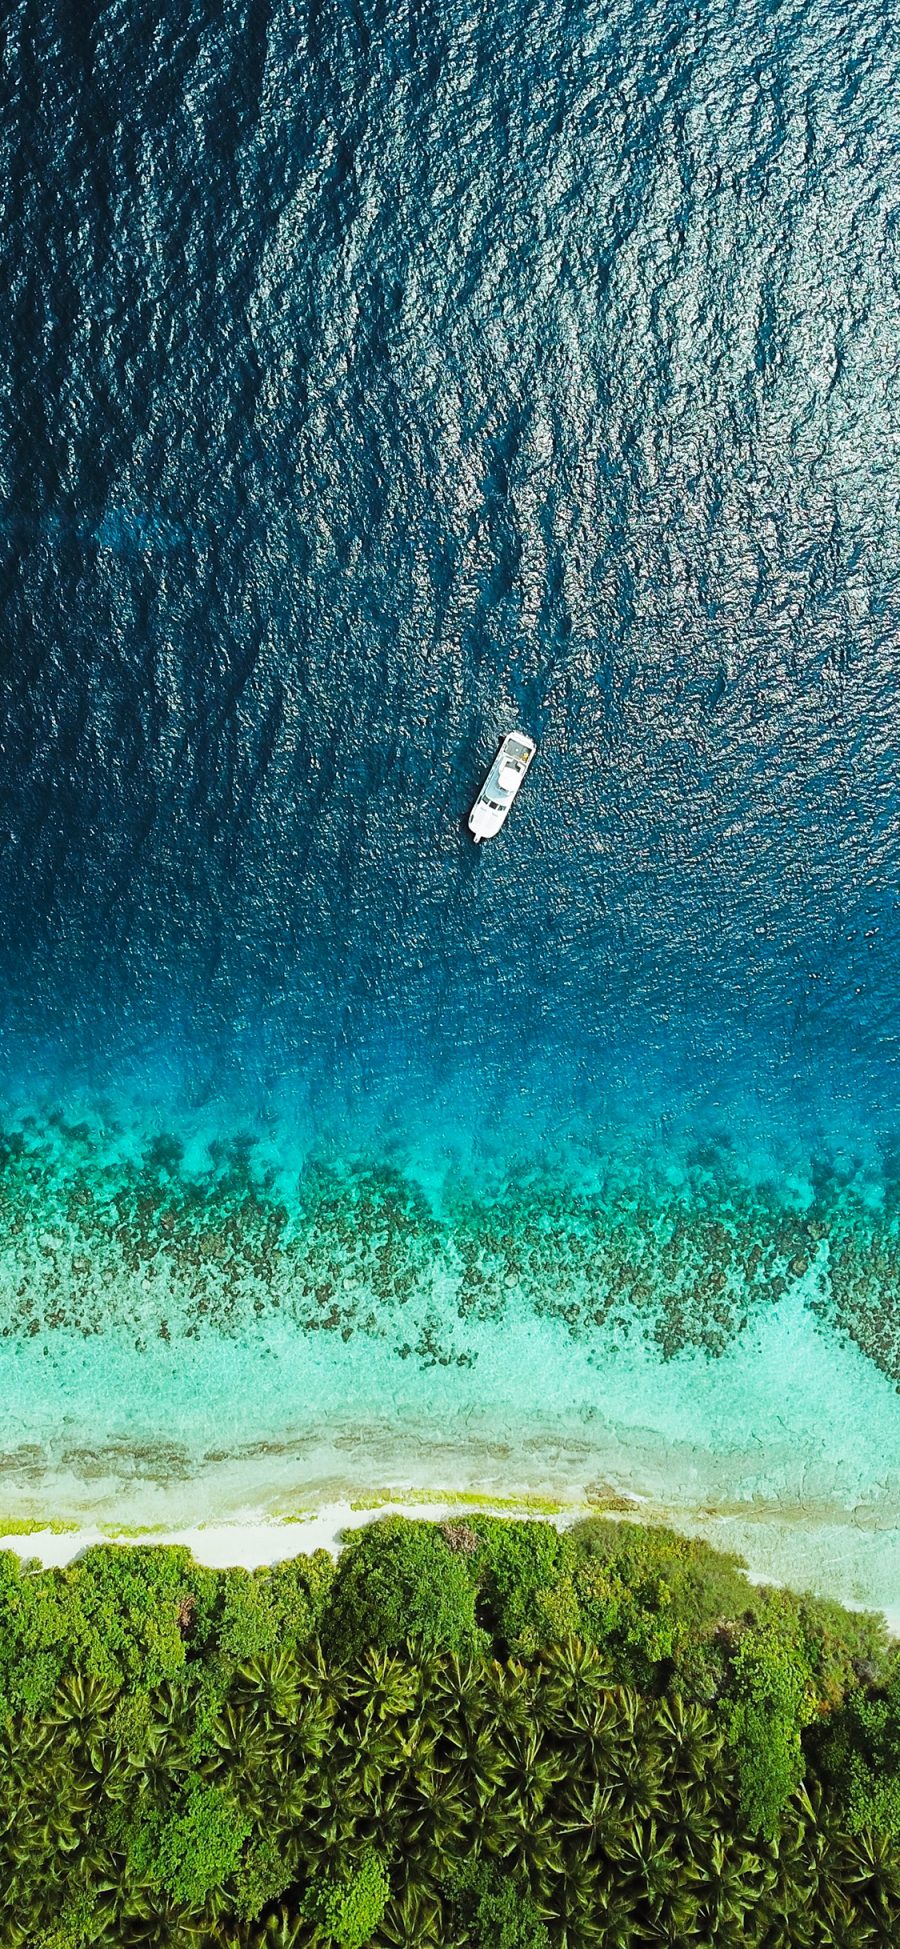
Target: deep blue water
x=375, y=378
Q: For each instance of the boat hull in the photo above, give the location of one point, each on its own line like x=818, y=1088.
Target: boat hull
x=491, y=808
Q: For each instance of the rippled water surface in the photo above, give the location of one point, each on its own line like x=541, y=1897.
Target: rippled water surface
x=374, y=379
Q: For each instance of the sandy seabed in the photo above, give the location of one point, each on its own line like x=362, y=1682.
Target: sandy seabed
x=786, y=1450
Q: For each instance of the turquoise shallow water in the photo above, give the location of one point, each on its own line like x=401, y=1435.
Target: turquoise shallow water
x=769, y=1450
x=192, y=1337
x=376, y=381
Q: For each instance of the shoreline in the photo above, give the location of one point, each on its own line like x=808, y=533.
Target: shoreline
x=255, y=1541
x=785, y=1451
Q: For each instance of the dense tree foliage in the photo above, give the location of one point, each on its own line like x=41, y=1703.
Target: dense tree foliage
x=399, y=1581
x=478, y=1735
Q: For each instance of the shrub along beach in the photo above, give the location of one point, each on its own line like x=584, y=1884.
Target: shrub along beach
x=478, y=1734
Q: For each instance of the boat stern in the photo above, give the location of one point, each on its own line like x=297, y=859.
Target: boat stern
x=484, y=821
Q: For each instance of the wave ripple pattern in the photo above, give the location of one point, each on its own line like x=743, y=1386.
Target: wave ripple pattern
x=381, y=377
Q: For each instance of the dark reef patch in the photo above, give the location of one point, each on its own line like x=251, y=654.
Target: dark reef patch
x=94, y=1238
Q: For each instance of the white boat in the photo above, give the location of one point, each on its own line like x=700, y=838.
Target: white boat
x=501, y=785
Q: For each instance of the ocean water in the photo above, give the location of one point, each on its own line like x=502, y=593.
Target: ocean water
x=375, y=379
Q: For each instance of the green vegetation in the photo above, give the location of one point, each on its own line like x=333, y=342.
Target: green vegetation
x=497, y=1909
x=347, y=1908
x=398, y=1580
x=32, y=1526
x=474, y=1735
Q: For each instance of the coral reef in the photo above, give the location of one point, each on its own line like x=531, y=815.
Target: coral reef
x=94, y=1235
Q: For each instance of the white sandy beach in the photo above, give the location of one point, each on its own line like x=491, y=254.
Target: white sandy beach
x=252, y=1450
